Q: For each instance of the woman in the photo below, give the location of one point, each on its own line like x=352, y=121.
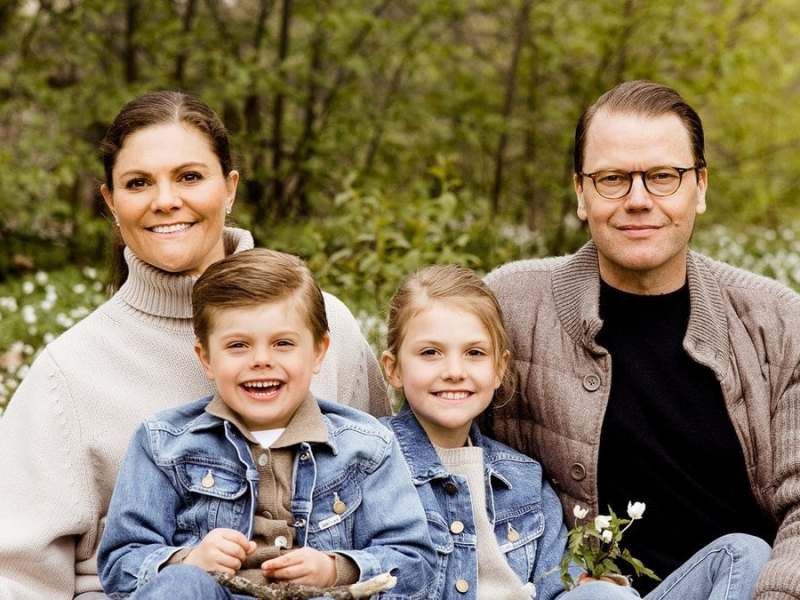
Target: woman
x=169, y=183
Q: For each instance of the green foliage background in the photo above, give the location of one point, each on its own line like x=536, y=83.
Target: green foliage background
x=374, y=136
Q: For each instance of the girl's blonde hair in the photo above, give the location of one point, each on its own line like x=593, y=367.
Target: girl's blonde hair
x=463, y=288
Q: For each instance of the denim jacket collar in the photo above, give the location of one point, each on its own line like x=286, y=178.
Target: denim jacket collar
x=421, y=456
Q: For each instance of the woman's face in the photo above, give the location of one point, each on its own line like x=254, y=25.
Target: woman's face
x=170, y=197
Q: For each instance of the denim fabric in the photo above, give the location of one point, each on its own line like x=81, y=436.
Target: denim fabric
x=726, y=569
x=185, y=582
x=188, y=472
x=517, y=499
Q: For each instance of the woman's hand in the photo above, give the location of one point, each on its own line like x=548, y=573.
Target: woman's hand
x=221, y=550
x=620, y=580
x=307, y=566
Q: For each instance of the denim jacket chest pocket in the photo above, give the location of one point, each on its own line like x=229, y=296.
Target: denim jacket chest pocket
x=443, y=544
x=333, y=515
x=517, y=533
x=214, y=495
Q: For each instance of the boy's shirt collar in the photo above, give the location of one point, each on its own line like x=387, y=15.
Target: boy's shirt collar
x=306, y=425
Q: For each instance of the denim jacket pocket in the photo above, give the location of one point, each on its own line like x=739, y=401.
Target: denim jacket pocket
x=331, y=523
x=215, y=496
x=517, y=536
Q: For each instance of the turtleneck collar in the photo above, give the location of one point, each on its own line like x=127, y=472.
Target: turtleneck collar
x=162, y=294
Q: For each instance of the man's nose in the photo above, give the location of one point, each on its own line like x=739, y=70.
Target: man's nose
x=638, y=197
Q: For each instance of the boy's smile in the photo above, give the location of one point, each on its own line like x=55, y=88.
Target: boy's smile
x=262, y=359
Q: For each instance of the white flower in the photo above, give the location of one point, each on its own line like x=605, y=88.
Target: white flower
x=636, y=510
x=580, y=513
x=40, y=277
x=90, y=272
x=46, y=305
x=22, y=371
x=48, y=337
x=602, y=522
x=79, y=288
x=97, y=286
x=607, y=536
x=29, y=314
x=28, y=287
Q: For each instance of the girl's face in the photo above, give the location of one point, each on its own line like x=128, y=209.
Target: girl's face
x=446, y=369
x=170, y=197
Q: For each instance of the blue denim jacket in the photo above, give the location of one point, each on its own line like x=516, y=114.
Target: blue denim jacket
x=163, y=502
x=516, y=496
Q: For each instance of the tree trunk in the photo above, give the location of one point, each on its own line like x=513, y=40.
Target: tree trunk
x=520, y=35
x=183, y=53
x=277, y=209
x=131, y=56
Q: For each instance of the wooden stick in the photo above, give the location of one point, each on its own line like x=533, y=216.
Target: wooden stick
x=293, y=591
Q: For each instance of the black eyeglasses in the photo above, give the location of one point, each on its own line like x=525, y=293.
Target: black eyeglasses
x=659, y=181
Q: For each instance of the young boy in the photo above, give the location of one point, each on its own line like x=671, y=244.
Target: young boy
x=262, y=479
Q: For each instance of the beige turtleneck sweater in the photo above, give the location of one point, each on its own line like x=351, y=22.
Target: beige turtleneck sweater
x=66, y=429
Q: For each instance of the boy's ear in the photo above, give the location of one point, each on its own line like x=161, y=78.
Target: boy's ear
x=501, y=369
x=202, y=354
x=322, y=350
x=392, y=370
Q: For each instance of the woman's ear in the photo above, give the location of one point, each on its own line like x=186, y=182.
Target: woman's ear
x=108, y=197
x=392, y=369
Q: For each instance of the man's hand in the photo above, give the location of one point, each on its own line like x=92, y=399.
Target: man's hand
x=305, y=565
x=221, y=550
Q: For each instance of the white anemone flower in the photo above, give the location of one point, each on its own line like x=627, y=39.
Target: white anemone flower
x=580, y=513
x=602, y=522
x=636, y=510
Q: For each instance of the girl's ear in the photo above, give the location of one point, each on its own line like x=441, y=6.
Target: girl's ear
x=392, y=369
x=202, y=354
x=501, y=369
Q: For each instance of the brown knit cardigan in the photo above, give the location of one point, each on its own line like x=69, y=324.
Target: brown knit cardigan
x=744, y=327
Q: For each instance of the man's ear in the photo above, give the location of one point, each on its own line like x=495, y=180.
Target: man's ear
x=392, y=369
x=202, y=354
x=702, y=185
x=577, y=182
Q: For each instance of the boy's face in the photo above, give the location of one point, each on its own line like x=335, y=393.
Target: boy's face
x=262, y=359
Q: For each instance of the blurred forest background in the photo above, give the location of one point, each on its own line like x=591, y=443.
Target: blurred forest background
x=374, y=136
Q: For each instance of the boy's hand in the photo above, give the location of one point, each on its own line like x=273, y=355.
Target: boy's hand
x=221, y=550
x=307, y=566
x=619, y=580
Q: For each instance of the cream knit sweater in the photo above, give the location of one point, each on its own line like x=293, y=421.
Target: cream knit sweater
x=66, y=429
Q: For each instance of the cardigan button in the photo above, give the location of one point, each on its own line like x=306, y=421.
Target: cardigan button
x=591, y=382
x=462, y=585
x=263, y=459
x=577, y=471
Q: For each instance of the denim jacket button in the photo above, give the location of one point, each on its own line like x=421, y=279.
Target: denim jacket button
x=462, y=585
x=304, y=456
x=456, y=527
x=299, y=523
x=591, y=382
x=451, y=488
x=208, y=481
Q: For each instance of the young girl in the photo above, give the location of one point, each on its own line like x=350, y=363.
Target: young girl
x=496, y=524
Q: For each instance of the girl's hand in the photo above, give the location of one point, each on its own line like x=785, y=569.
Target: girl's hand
x=221, y=550
x=307, y=566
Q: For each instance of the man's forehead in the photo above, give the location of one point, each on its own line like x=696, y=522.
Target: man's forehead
x=635, y=136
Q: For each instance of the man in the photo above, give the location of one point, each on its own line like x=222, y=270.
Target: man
x=649, y=372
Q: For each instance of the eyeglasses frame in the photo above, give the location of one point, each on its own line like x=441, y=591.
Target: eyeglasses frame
x=680, y=170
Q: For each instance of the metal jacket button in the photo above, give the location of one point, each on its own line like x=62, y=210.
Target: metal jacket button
x=304, y=456
x=208, y=480
x=577, y=471
x=338, y=506
x=591, y=382
x=462, y=585
x=299, y=523
x=451, y=488
x=456, y=527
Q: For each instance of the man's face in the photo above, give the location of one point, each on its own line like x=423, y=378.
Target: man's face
x=641, y=239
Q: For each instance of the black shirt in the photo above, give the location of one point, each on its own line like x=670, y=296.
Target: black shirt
x=667, y=439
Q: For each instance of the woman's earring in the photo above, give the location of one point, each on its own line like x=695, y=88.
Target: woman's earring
x=228, y=210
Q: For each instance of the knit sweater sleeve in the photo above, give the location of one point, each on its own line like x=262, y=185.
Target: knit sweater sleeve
x=360, y=381
x=45, y=495
x=780, y=578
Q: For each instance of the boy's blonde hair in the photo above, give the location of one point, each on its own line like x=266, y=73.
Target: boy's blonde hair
x=254, y=277
x=463, y=288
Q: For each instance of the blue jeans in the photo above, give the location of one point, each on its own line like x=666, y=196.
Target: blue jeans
x=726, y=569
x=184, y=582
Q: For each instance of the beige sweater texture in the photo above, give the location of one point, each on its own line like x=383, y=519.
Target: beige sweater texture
x=66, y=429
